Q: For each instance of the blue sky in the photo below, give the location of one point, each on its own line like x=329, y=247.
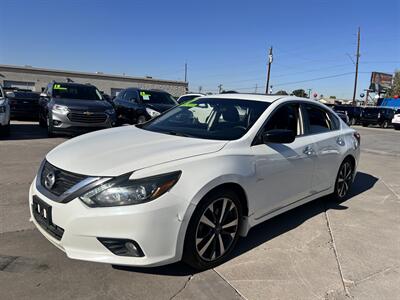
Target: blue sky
x=223, y=42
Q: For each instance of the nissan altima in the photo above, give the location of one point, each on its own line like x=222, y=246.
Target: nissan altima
x=186, y=184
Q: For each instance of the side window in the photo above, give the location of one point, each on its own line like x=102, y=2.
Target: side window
x=318, y=120
x=285, y=117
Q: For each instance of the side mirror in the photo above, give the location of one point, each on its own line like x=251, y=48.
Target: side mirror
x=10, y=95
x=279, y=136
x=44, y=96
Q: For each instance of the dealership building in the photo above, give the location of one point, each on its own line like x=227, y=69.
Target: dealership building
x=36, y=79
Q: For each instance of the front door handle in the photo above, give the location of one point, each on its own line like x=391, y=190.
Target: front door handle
x=309, y=151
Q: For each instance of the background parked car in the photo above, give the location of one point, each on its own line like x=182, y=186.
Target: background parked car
x=135, y=105
x=381, y=116
x=396, y=120
x=344, y=117
x=188, y=97
x=24, y=104
x=353, y=112
x=4, y=113
x=74, y=108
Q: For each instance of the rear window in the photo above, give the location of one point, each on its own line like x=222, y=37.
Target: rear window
x=82, y=92
x=153, y=97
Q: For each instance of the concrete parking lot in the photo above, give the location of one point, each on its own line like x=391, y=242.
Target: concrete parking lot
x=322, y=250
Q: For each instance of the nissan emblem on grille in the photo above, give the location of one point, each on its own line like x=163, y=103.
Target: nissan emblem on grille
x=49, y=180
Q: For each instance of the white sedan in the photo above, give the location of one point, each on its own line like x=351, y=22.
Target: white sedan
x=185, y=188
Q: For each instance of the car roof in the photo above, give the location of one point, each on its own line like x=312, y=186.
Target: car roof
x=193, y=94
x=254, y=97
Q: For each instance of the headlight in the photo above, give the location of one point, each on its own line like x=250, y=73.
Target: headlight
x=110, y=111
x=122, y=191
x=61, y=109
x=153, y=113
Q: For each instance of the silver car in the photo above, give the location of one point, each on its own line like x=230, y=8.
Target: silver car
x=74, y=108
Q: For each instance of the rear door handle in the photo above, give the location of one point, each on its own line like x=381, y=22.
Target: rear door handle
x=309, y=151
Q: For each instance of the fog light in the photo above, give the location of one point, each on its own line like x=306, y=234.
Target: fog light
x=56, y=122
x=122, y=247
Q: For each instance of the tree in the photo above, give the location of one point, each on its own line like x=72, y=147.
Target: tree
x=332, y=97
x=281, y=92
x=395, y=90
x=300, y=93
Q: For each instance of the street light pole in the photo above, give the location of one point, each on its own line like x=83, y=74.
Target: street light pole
x=270, y=59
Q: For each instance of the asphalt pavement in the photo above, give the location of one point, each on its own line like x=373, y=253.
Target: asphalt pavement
x=321, y=250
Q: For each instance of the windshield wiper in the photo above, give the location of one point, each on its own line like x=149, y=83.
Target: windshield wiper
x=177, y=133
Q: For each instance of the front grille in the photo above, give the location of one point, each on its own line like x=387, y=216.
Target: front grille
x=63, y=180
x=84, y=117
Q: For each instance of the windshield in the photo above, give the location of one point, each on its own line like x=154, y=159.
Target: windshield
x=208, y=118
x=82, y=92
x=152, y=97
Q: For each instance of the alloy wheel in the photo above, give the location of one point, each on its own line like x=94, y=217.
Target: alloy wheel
x=217, y=228
x=344, y=179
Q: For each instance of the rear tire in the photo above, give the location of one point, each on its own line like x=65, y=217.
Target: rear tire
x=365, y=124
x=385, y=124
x=344, y=180
x=213, y=230
x=396, y=127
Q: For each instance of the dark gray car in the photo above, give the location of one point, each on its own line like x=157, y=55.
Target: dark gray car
x=74, y=108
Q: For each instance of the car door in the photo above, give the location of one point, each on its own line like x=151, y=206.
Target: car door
x=284, y=172
x=324, y=127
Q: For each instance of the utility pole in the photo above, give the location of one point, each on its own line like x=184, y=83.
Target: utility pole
x=255, y=90
x=220, y=88
x=200, y=89
x=269, y=69
x=357, y=59
x=185, y=71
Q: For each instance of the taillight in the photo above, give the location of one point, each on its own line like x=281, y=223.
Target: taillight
x=358, y=137
x=379, y=115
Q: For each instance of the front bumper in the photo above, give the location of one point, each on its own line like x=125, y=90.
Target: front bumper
x=62, y=123
x=154, y=226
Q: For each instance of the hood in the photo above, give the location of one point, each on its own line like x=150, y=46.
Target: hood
x=117, y=151
x=84, y=105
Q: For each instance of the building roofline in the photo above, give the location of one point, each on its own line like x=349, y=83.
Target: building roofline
x=104, y=76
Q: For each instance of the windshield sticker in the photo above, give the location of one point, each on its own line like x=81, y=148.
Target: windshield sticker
x=145, y=96
x=59, y=87
x=189, y=103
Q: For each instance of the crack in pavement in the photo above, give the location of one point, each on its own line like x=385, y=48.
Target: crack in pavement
x=372, y=275
x=183, y=288
x=224, y=279
x=328, y=223
x=390, y=189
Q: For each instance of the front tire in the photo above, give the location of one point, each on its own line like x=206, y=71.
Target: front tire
x=141, y=119
x=344, y=180
x=396, y=127
x=385, y=124
x=213, y=230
